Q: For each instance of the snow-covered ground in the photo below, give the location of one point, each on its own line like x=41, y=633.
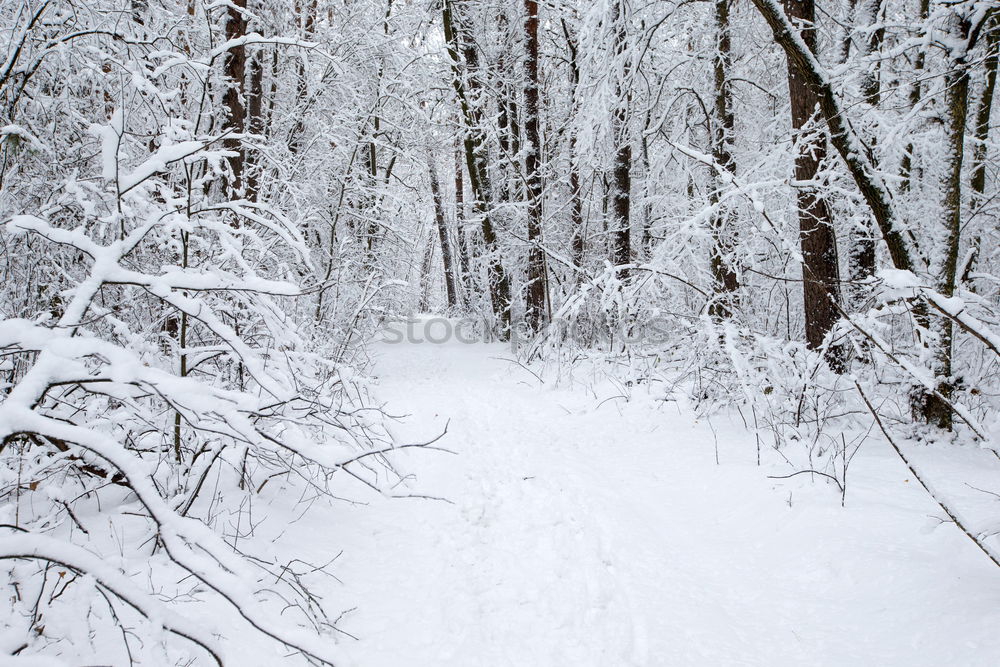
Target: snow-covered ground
x=590, y=532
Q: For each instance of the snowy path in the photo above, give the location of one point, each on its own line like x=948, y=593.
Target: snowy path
x=607, y=536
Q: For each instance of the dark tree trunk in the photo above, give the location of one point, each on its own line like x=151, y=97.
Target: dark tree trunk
x=373, y=198
x=255, y=113
x=535, y=302
x=477, y=158
x=306, y=10
x=842, y=135
x=723, y=127
x=508, y=128
x=442, y=228
x=820, y=273
x=981, y=134
x=425, y=274
x=235, y=69
x=578, y=233
x=467, y=280
x=273, y=95
x=371, y=227
x=984, y=111
x=621, y=230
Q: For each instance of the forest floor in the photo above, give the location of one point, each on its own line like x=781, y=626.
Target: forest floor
x=580, y=531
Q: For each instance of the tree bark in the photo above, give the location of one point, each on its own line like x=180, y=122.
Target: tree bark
x=442, y=228
x=306, y=10
x=818, y=242
x=723, y=127
x=981, y=135
x=535, y=301
x=477, y=158
x=425, y=274
x=843, y=136
x=578, y=233
x=467, y=280
x=936, y=407
x=255, y=111
x=235, y=69
x=861, y=256
x=621, y=231
x=372, y=199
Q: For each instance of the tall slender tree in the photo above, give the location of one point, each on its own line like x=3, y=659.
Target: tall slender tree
x=464, y=66
x=861, y=257
x=723, y=127
x=441, y=222
x=535, y=301
x=935, y=406
x=621, y=182
x=235, y=69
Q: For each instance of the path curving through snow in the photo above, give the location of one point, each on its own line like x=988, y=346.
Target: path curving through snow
x=592, y=533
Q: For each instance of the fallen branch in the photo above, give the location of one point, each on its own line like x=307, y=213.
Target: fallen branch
x=917, y=476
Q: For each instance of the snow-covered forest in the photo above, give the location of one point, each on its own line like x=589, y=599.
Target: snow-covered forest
x=499, y=332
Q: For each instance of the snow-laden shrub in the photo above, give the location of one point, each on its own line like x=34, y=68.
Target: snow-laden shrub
x=159, y=365
x=143, y=381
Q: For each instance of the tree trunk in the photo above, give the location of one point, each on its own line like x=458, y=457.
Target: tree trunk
x=936, y=407
x=467, y=280
x=578, y=237
x=535, y=302
x=306, y=10
x=621, y=231
x=842, y=134
x=906, y=167
x=425, y=275
x=861, y=256
x=255, y=111
x=820, y=273
x=621, y=170
x=373, y=199
x=442, y=228
x=981, y=134
x=235, y=69
x=477, y=158
x=508, y=127
x=723, y=126
x=371, y=226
